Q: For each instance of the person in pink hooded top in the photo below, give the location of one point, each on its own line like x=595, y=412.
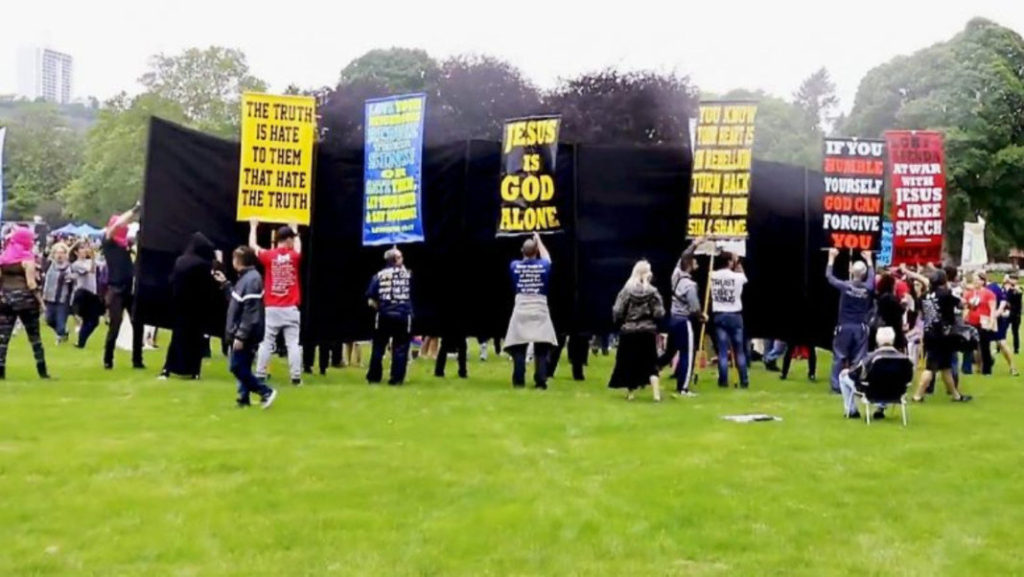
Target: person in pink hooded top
x=120, y=286
x=20, y=296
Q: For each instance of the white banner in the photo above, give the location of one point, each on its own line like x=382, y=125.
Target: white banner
x=973, y=254
x=710, y=247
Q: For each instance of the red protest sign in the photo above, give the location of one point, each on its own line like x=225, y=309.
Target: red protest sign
x=917, y=172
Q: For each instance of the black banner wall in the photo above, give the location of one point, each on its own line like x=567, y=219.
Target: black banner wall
x=617, y=204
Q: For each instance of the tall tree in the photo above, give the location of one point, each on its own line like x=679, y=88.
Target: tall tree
x=397, y=70
x=43, y=153
x=625, y=107
x=111, y=175
x=972, y=89
x=207, y=83
x=467, y=96
x=784, y=130
x=474, y=95
x=817, y=98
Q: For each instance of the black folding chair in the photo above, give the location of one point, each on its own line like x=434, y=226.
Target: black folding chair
x=886, y=383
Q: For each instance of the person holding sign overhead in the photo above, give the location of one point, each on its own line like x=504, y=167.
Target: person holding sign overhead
x=727, y=306
x=281, y=284
x=856, y=303
x=120, y=285
x=390, y=294
x=531, y=318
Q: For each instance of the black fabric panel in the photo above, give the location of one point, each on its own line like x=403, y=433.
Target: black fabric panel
x=632, y=205
x=191, y=183
x=617, y=204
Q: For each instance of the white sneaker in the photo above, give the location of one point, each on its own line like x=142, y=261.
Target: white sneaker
x=269, y=399
x=686, y=394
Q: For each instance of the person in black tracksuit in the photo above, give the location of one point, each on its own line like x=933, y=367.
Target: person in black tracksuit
x=390, y=294
x=1013, y=296
x=245, y=326
x=684, y=321
x=120, y=287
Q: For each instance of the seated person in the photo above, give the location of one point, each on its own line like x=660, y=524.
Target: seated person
x=854, y=380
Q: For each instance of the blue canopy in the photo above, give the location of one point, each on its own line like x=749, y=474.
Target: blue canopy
x=87, y=229
x=68, y=228
x=84, y=229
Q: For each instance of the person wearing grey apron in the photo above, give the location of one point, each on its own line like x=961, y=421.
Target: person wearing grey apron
x=531, y=319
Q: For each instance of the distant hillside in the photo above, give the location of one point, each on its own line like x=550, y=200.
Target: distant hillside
x=79, y=116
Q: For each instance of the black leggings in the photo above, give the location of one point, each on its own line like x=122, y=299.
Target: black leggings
x=455, y=345
x=1015, y=330
x=21, y=304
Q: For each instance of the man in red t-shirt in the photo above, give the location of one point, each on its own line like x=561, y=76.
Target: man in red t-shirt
x=281, y=297
x=981, y=306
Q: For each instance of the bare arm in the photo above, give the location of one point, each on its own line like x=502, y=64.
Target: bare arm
x=298, y=238
x=253, y=224
x=544, y=254
x=30, y=274
x=122, y=220
x=915, y=276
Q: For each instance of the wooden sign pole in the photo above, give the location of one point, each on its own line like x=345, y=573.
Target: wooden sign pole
x=701, y=357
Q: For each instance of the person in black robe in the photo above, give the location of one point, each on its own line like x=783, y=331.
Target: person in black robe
x=193, y=292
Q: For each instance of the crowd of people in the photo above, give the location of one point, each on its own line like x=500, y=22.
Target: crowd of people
x=926, y=312
x=77, y=279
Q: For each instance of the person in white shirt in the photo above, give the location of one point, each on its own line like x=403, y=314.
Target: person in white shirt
x=727, y=284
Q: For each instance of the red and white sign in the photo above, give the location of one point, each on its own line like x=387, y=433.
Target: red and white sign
x=917, y=172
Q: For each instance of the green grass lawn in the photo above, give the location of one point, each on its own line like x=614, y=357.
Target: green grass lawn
x=112, y=473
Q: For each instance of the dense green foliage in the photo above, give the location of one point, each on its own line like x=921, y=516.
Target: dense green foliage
x=972, y=89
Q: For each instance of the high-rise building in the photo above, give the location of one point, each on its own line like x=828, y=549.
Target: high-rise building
x=45, y=73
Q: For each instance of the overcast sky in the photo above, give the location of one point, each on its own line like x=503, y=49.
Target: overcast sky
x=721, y=44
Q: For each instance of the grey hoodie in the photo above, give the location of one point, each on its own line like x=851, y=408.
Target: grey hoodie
x=638, y=309
x=685, y=302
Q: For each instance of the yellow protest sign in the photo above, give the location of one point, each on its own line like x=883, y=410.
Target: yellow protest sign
x=276, y=173
x=722, y=161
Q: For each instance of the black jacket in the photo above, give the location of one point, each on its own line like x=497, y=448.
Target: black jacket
x=245, y=308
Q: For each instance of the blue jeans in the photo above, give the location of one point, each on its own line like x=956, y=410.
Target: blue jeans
x=849, y=346
x=541, y=351
x=729, y=333
x=848, y=388
x=776, y=352
x=240, y=365
x=57, y=317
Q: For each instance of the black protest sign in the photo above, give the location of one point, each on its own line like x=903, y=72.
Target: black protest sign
x=854, y=173
x=720, y=184
x=529, y=149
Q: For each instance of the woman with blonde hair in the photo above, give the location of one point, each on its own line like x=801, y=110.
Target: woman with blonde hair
x=637, y=311
x=58, y=285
